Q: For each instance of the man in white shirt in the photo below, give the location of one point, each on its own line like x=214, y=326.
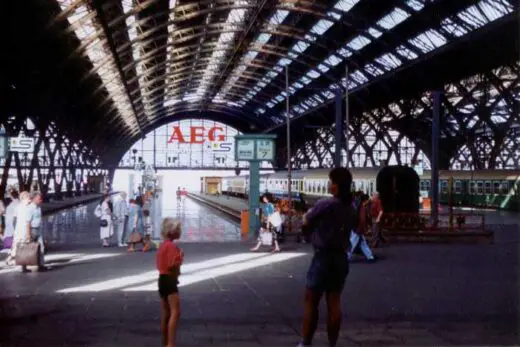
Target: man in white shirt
x=20, y=230
x=121, y=214
x=34, y=227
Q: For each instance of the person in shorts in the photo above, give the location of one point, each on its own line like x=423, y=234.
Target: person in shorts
x=169, y=261
x=329, y=224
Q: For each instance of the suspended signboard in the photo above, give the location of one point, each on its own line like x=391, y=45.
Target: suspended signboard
x=21, y=144
x=3, y=143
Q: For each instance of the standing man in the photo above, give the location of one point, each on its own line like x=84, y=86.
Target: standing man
x=329, y=224
x=34, y=228
x=376, y=213
x=121, y=214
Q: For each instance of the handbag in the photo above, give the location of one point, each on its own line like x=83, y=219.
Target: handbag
x=135, y=237
x=266, y=237
x=27, y=253
x=103, y=223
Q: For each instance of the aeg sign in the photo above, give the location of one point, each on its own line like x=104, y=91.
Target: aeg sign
x=198, y=135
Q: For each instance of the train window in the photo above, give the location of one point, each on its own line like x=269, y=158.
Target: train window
x=488, y=189
x=472, y=187
x=458, y=187
x=444, y=186
x=504, y=187
x=371, y=187
x=480, y=187
x=496, y=187
x=301, y=186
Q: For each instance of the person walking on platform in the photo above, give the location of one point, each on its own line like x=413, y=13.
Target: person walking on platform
x=121, y=216
x=169, y=260
x=10, y=221
x=357, y=235
x=34, y=228
x=20, y=230
x=267, y=211
x=329, y=224
x=105, y=212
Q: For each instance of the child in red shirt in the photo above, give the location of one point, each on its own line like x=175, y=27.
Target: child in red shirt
x=169, y=261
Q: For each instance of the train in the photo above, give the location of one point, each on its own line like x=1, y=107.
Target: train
x=497, y=189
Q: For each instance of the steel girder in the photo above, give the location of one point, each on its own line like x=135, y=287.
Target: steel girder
x=57, y=165
x=480, y=128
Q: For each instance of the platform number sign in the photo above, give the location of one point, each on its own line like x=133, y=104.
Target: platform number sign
x=265, y=149
x=245, y=149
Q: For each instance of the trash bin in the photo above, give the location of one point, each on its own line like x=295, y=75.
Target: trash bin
x=244, y=222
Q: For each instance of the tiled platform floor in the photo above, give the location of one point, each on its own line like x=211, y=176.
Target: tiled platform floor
x=416, y=295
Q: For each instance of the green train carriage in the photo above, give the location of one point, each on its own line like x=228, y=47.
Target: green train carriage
x=497, y=189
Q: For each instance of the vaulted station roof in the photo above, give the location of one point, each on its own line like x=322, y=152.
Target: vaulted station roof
x=152, y=60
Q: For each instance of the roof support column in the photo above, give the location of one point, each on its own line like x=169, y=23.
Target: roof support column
x=435, y=157
x=339, y=129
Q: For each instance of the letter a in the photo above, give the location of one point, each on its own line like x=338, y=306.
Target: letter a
x=176, y=135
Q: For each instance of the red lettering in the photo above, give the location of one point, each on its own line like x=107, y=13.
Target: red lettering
x=176, y=136
x=194, y=134
x=211, y=134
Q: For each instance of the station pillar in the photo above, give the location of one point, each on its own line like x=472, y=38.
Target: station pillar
x=254, y=197
x=435, y=157
x=254, y=148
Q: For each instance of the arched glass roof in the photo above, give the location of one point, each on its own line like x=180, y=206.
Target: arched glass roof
x=157, y=58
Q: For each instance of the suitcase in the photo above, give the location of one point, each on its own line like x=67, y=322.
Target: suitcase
x=27, y=253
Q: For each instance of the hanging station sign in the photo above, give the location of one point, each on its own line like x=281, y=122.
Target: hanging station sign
x=3, y=143
x=21, y=144
x=255, y=147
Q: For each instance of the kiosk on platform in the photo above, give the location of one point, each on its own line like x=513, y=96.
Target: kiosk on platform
x=254, y=148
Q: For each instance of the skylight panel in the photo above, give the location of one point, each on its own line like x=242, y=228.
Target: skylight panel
x=321, y=26
x=345, y=5
x=270, y=104
x=358, y=76
x=284, y=62
x=453, y=28
x=358, y=42
x=495, y=9
x=393, y=19
x=323, y=68
x=279, y=98
x=416, y=5
x=473, y=17
x=328, y=94
x=428, y=41
x=263, y=38
x=405, y=52
x=313, y=74
x=101, y=58
x=305, y=80
x=374, y=32
x=389, y=61
x=278, y=17
x=272, y=74
x=333, y=60
x=334, y=15
x=344, y=52
x=300, y=46
x=261, y=110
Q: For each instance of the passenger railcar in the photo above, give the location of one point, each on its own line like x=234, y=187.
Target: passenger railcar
x=484, y=188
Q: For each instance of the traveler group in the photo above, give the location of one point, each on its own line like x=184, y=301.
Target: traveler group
x=23, y=232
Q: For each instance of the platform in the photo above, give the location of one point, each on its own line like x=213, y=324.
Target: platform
x=416, y=295
x=227, y=204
